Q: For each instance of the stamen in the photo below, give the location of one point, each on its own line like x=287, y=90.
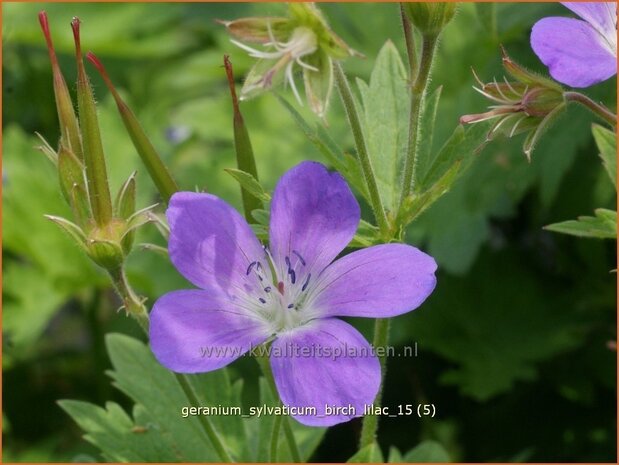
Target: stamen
x=262, y=300
x=280, y=287
x=306, y=282
x=299, y=257
x=251, y=265
x=291, y=306
x=267, y=289
x=293, y=276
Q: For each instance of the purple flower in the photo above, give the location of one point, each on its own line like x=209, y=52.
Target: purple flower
x=289, y=293
x=579, y=53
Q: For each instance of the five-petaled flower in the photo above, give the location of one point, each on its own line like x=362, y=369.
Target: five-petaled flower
x=288, y=294
x=303, y=39
x=579, y=53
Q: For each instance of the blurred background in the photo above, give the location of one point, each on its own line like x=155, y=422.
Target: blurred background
x=514, y=346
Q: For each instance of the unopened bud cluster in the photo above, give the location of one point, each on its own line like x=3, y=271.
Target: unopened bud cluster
x=528, y=104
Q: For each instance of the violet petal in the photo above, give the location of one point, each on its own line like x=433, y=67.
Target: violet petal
x=575, y=53
x=211, y=244
x=320, y=379
x=194, y=332
x=314, y=214
x=380, y=281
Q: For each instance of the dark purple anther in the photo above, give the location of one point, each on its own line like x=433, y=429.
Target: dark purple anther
x=299, y=257
x=306, y=282
x=262, y=300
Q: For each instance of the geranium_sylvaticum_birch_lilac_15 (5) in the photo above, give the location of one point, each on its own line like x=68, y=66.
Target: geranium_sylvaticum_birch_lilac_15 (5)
x=579, y=52
x=288, y=294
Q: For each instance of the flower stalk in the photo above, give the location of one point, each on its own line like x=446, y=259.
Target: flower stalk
x=157, y=170
x=596, y=108
x=418, y=95
x=362, y=151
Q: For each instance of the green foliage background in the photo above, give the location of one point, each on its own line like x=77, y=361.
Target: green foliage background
x=512, y=344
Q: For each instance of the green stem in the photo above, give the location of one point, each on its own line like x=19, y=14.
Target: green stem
x=245, y=160
x=596, y=108
x=409, y=39
x=135, y=307
x=96, y=171
x=157, y=170
x=265, y=366
x=370, y=422
x=362, y=152
x=208, y=427
x=277, y=423
x=418, y=94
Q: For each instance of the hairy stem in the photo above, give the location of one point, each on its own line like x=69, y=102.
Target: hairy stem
x=418, y=94
x=409, y=38
x=362, y=151
x=370, y=422
x=596, y=108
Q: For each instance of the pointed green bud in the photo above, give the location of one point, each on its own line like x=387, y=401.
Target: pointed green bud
x=430, y=18
x=69, y=130
x=151, y=159
x=96, y=171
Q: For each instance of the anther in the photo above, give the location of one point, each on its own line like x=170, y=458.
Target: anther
x=306, y=282
x=251, y=265
x=267, y=289
x=299, y=257
x=262, y=300
x=291, y=306
x=293, y=276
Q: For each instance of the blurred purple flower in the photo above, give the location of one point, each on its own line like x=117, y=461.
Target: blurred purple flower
x=578, y=52
x=289, y=294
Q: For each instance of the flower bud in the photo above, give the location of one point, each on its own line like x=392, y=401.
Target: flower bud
x=69, y=130
x=430, y=17
x=303, y=38
x=530, y=104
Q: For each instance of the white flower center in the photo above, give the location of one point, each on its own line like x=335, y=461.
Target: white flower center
x=281, y=297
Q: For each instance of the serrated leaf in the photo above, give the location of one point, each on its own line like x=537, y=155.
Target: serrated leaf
x=369, y=454
x=606, y=141
x=601, y=226
x=426, y=131
x=427, y=452
x=118, y=436
x=386, y=106
x=418, y=203
x=146, y=382
x=461, y=146
x=249, y=183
